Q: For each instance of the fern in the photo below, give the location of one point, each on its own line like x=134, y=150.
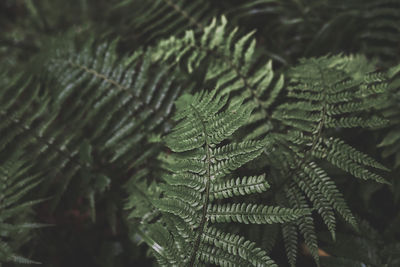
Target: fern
x=231, y=63
x=390, y=142
x=200, y=157
x=329, y=92
x=87, y=95
x=62, y=128
x=325, y=93
x=15, y=210
x=116, y=87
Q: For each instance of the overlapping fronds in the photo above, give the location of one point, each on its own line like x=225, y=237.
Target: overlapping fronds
x=92, y=119
x=325, y=93
x=200, y=156
x=231, y=63
x=93, y=110
x=124, y=101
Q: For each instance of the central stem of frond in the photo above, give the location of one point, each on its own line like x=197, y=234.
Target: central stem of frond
x=206, y=195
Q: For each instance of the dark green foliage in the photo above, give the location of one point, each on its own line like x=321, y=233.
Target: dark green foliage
x=199, y=133
x=15, y=212
x=156, y=19
x=373, y=250
x=391, y=141
x=201, y=157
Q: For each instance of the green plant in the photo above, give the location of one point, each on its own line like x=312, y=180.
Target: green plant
x=182, y=136
x=200, y=180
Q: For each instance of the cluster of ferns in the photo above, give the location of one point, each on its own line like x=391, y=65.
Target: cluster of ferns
x=196, y=133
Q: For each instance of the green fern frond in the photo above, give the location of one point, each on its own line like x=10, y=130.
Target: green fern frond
x=200, y=156
x=231, y=64
x=219, y=257
x=305, y=224
x=15, y=210
x=326, y=84
x=323, y=93
x=349, y=159
x=289, y=233
x=239, y=187
x=237, y=245
x=252, y=214
x=326, y=188
x=391, y=140
x=320, y=202
x=101, y=107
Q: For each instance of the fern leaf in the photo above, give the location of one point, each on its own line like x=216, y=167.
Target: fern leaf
x=289, y=232
x=195, y=178
x=238, y=187
x=254, y=214
x=232, y=68
x=121, y=104
x=326, y=92
x=320, y=203
x=237, y=245
x=305, y=224
x=15, y=212
x=219, y=257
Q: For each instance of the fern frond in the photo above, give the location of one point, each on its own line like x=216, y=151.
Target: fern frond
x=219, y=257
x=252, y=214
x=99, y=108
x=306, y=223
x=327, y=92
x=231, y=64
x=333, y=92
x=15, y=211
x=319, y=201
x=206, y=160
x=391, y=141
x=239, y=187
x=237, y=245
x=327, y=189
x=102, y=100
x=289, y=232
x=351, y=160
